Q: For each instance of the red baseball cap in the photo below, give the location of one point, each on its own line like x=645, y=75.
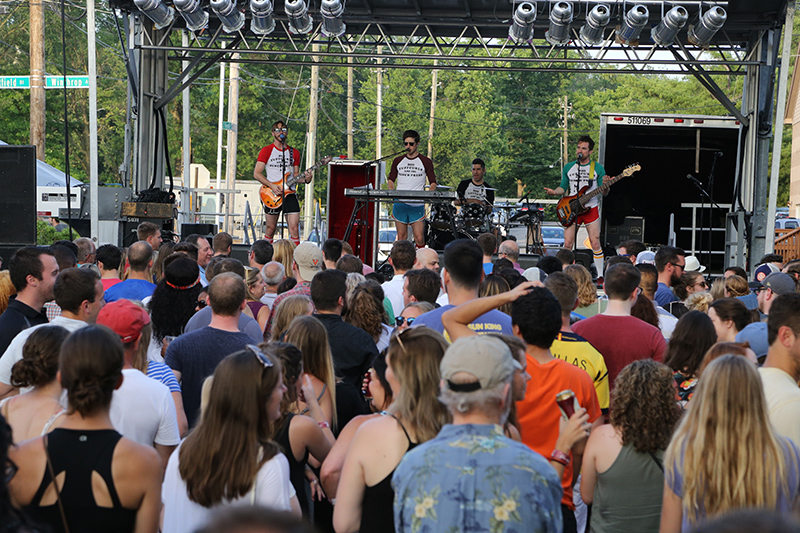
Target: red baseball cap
x=125, y=318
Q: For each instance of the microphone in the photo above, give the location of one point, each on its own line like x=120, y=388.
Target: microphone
x=693, y=179
x=717, y=154
x=282, y=137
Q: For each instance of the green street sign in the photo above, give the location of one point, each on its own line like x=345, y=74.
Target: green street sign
x=50, y=82
x=15, y=82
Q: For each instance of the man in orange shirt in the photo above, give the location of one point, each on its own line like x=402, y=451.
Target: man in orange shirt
x=536, y=319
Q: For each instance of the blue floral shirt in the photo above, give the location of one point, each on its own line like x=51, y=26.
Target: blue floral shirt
x=473, y=478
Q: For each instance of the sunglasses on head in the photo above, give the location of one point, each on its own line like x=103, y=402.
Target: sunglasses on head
x=400, y=320
x=261, y=356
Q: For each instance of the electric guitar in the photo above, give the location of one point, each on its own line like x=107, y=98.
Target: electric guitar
x=272, y=200
x=569, y=207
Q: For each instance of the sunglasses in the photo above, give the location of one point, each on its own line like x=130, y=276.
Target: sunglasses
x=682, y=267
x=201, y=303
x=400, y=320
x=261, y=356
x=281, y=130
x=409, y=144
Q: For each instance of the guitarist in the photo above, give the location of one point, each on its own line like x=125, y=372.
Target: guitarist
x=274, y=162
x=576, y=175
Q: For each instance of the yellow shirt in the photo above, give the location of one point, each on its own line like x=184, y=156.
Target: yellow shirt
x=577, y=351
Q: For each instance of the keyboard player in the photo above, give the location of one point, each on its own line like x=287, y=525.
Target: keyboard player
x=409, y=172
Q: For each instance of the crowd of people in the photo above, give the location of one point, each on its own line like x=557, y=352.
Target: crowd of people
x=171, y=387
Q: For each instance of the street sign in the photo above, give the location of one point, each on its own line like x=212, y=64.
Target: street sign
x=50, y=82
x=229, y=126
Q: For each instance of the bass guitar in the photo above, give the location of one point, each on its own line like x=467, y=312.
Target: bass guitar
x=272, y=200
x=569, y=207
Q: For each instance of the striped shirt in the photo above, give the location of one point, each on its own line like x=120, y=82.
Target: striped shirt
x=161, y=372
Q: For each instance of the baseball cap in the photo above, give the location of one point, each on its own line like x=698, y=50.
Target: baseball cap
x=693, y=264
x=646, y=257
x=534, y=274
x=764, y=270
x=125, y=318
x=779, y=283
x=756, y=335
x=309, y=260
x=485, y=357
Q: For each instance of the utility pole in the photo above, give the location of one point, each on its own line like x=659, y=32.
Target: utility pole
x=37, y=77
x=565, y=147
x=219, y=138
x=379, y=118
x=233, y=138
x=311, y=145
x=434, y=77
x=350, y=140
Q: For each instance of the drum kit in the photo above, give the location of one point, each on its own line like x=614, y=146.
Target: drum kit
x=446, y=223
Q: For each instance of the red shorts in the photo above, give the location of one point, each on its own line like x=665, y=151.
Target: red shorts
x=588, y=217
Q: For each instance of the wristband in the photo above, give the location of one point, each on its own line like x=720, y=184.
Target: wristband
x=324, y=424
x=560, y=457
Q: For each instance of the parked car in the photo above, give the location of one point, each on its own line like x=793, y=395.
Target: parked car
x=787, y=223
x=553, y=236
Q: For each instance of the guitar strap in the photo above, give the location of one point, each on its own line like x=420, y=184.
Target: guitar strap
x=591, y=171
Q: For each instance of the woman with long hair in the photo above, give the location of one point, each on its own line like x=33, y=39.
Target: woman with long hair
x=643, y=309
x=643, y=415
x=230, y=457
x=691, y=282
x=725, y=454
x=588, y=304
x=255, y=289
x=174, y=301
x=365, y=311
x=378, y=394
x=495, y=284
x=83, y=475
x=289, y=309
x=729, y=316
x=311, y=338
x=727, y=348
x=364, y=495
x=284, y=254
x=302, y=438
x=693, y=336
x=410, y=313
x=165, y=250
x=12, y=519
x=34, y=413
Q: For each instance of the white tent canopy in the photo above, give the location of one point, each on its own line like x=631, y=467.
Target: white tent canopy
x=49, y=176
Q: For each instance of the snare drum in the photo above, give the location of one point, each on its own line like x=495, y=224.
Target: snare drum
x=473, y=215
x=440, y=216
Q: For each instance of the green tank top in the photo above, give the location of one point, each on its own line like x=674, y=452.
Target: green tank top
x=628, y=495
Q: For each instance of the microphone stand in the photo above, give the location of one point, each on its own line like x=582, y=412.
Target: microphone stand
x=711, y=208
x=283, y=187
x=703, y=196
x=363, y=209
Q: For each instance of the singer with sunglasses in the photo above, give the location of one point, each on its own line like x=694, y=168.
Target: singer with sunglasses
x=275, y=163
x=408, y=173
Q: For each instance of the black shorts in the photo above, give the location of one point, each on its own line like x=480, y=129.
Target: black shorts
x=290, y=205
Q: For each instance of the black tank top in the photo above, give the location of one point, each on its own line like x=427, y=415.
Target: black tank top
x=78, y=453
x=297, y=468
x=377, y=509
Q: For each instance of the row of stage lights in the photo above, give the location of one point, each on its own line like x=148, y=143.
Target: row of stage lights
x=521, y=30
x=633, y=23
x=232, y=19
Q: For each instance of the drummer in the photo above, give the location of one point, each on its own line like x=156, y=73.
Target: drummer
x=475, y=190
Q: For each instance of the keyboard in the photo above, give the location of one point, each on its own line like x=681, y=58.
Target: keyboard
x=386, y=195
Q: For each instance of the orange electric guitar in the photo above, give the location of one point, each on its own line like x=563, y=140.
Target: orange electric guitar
x=569, y=207
x=272, y=200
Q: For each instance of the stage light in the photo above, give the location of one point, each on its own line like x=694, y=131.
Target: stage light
x=701, y=33
x=521, y=29
x=560, y=18
x=231, y=18
x=160, y=13
x=299, y=19
x=332, y=23
x=262, y=22
x=193, y=13
x=633, y=23
x=596, y=22
x=666, y=31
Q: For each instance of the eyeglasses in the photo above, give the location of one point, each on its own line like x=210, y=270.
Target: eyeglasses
x=261, y=356
x=700, y=284
x=682, y=267
x=400, y=320
x=409, y=144
x=281, y=130
x=10, y=471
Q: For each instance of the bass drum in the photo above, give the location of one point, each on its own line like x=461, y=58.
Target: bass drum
x=440, y=216
x=473, y=215
x=437, y=239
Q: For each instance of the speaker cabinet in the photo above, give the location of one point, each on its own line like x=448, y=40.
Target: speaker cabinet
x=18, y=201
x=631, y=228
x=349, y=174
x=207, y=230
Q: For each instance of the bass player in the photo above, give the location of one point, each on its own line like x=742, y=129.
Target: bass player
x=277, y=162
x=576, y=175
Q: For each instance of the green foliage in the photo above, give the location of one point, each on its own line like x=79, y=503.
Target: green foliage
x=47, y=234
